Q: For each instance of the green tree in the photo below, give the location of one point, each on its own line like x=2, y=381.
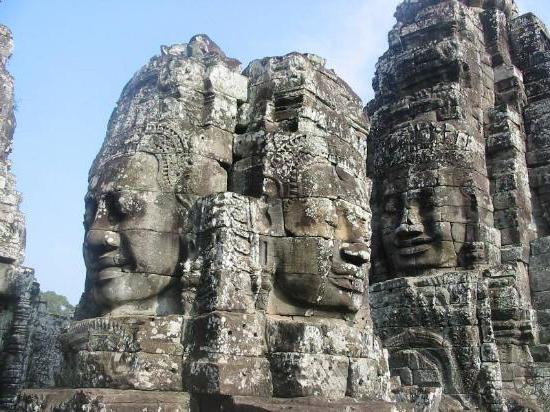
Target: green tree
x=57, y=304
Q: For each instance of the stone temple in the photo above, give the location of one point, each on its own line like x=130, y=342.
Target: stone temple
x=258, y=240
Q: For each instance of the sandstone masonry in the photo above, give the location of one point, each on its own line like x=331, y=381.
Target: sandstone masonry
x=257, y=240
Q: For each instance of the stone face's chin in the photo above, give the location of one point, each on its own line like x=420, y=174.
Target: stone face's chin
x=113, y=287
x=344, y=294
x=302, y=288
x=433, y=255
x=337, y=292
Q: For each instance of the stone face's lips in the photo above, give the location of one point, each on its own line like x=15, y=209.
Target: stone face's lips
x=108, y=260
x=109, y=273
x=347, y=276
x=415, y=250
x=351, y=284
x=341, y=269
x=414, y=246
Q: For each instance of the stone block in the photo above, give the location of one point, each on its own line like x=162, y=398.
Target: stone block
x=541, y=247
x=301, y=255
x=222, y=79
x=204, y=176
x=247, y=177
x=139, y=371
x=267, y=217
x=489, y=352
x=229, y=334
x=218, y=290
x=426, y=378
x=539, y=274
x=220, y=111
x=329, y=337
x=214, y=143
x=541, y=300
x=306, y=404
x=300, y=375
x=541, y=353
x=368, y=379
x=310, y=217
x=230, y=375
x=162, y=335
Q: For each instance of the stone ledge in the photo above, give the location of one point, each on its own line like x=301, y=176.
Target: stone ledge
x=308, y=404
x=104, y=400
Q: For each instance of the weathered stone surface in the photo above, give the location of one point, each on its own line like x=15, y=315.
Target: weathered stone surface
x=141, y=353
x=456, y=154
x=310, y=404
x=12, y=223
x=99, y=400
x=279, y=270
x=230, y=217
x=168, y=142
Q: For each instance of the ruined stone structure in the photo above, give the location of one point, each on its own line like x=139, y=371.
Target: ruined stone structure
x=29, y=348
x=257, y=241
x=457, y=157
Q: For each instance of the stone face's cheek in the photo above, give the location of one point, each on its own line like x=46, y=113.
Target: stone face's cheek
x=304, y=288
x=303, y=264
x=130, y=287
x=303, y=255
x=151, y=252
x=353, y=222
x=310, y=217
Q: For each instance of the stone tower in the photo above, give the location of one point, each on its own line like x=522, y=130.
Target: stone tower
x=457, y=158
x=29, y=345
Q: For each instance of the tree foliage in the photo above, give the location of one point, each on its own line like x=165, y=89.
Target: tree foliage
x=57, y=304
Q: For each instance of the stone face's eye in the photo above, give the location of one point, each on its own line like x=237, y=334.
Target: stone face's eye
x=391, y=204
x=125, y=204
x=114, y=207
x=427, y=201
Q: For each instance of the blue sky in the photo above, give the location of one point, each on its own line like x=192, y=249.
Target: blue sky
x=73, y=57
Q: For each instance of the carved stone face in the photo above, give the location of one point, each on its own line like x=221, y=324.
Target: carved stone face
x=324, y=265
x=423, y=228
x=131, y=244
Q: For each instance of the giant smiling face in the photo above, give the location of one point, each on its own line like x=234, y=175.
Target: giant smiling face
x=131, y=244
x=324, y=264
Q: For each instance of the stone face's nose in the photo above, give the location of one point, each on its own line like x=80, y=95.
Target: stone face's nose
x=101, y=241
x=411, y=222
